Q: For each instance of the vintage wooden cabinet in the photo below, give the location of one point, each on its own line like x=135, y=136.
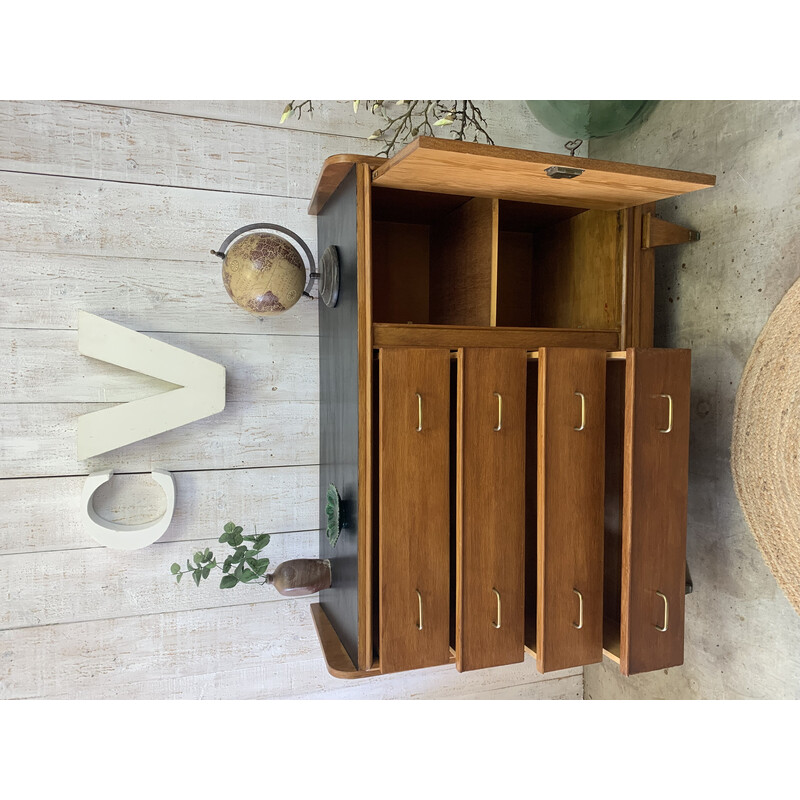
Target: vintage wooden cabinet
x=510, y=450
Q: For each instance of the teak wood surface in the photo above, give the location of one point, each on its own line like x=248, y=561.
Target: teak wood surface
x=337, y=661
x=480, y=170
x=414, y=508
x=571, y=478
x=464, y=259
x=454, y=337
x=490, y=508
x=655, y=480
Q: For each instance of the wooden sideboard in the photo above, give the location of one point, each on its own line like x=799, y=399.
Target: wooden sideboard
x=510, y=450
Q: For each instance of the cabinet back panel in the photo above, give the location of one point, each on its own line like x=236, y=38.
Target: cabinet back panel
x=400, y=272
x=577, y=273
x=463, y=265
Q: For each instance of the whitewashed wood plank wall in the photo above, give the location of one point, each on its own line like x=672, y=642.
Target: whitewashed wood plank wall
x=112, y=207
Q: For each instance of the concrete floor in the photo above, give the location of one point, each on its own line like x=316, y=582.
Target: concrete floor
x=714, y=296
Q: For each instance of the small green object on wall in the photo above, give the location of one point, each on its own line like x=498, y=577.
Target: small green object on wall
x=332, y=513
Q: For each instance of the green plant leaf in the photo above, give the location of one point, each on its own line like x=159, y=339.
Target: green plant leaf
x=251, y=562
x=286, y=111
x=188, y=565
x=223, y=538
x=248, y=575
x=262, y=561
x=178, y=577
x=261, y=569
x=227, y=565
x=196, y=576
x=206, y=571
x=229, y=526
x=261, y=542
x=238, y=529
x=238, y=572
x=238, y=554
x=228, y=582
x=236, y=539
x=175, y=568
x=198, y=558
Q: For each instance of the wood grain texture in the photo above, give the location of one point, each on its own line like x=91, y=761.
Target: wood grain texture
x=334, y=171
x=655, y=480
x=490, y=516
x=42, y=515
x=244, y=435
x=414, y=509
x=658, y=232
x=464, y=265
x=577, y=273
x=438, y=165
x=250, y=651
x=147, y=294
x=454, y=337
x=510, y=121
x=108, y=583
x=122, y=144
x=637, y=328
x=514, y=279
x=70, y=216
x=401, y=272
x=258, y=369
x=337, y=660
x=571, y=477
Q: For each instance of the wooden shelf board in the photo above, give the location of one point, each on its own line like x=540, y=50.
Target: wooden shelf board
x=480, y=170
x=452, y=336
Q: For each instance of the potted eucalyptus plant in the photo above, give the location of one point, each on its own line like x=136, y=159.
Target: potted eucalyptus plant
x=245, y=563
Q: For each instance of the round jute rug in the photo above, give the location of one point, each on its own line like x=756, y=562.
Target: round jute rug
x=765, y=450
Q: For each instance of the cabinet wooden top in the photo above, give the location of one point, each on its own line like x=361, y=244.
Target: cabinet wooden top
x=480, y=170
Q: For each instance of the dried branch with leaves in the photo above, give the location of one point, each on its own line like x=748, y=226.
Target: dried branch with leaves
x=403, y=120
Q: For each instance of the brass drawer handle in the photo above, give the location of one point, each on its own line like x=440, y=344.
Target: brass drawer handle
x=668, y=429
x=419, y=410
x=499, y=412
x=419, y=597
x=579, y=624
x=583, y=411
x=497, y=624
x=666, y=608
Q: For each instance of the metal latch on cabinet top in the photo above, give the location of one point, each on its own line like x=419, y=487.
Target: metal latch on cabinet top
x=563, y=172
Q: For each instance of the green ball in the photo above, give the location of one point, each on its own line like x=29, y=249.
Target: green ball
x=589, y=119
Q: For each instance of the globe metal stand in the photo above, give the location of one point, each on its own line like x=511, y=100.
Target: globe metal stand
x=328, y=275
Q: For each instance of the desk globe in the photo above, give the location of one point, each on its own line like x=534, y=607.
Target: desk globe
x=264, y=273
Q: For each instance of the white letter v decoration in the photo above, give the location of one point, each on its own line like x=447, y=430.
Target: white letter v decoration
x=202, y=383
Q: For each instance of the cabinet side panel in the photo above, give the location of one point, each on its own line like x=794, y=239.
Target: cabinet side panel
x=338, y=360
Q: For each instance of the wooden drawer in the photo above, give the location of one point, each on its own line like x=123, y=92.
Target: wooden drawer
x=570, y=491
x=490, y=508
x=654, y=499
x=414, y=508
